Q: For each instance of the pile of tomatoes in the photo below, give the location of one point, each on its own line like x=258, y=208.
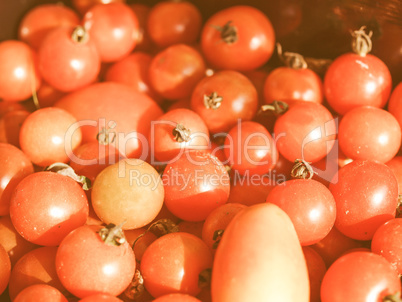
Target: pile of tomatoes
x=149, y=153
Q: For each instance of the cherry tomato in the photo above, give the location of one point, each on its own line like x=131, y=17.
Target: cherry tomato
x=306, y=131
x=316, y=271
x=35, y=267
x=353, y=80
x=114, y=107
x=224, y=98
x=286, y=83
x=40, y=292
x=172, y=264
x=15, y=166
x=239, y=38
x=395, y=103
x=68, y=59
x=105, y=267
x=176, y=70
x=46, y=206
x=173, y=23
x=49, y=135
x=176, y=298
x=42, y=19
x=386, y=242
x=129, y=191
x=259, y=256
x=83, y=5
x=310, y=206
x=250, y=149
x=195, y=185
x=113, y=28
x=5, y=269
x=176, y=131
x=366, y=196
x=19, y=73
x=343, y=280
x=369, y=133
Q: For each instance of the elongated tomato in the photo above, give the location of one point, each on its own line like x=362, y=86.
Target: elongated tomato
x=260, y=259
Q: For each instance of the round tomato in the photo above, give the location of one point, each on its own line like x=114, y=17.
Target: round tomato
x=40, y=292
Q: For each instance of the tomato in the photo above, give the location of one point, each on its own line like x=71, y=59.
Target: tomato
x=113, y=28
x=19, y=74
x=172, y=264
x=14, y=168
x=250, y=149
x=118, y=108
x=35, y=267
x=359, y=276
x=239, y=38
x=176, y=131
x=286, y=83
x=316, y=271
x=5, y=269
x=259, y=256
x=366, y=196
x=353, y=80
x=306, y=131
x=49, y=135
x=68, y=59
x=105, y=267
x=176, y=70
x=369, y=133
x=386, y=241
x=129, y=191
x=395, y=164
x=173, y=23
x=83, y=5
x=42, y=19
x=142, y=239
x=12, y=242
x=195, y=185
x=176, y=298
x=310, y=206
x=40, y=292
x=217, y=221
x=46, y=206
x=224, y=98
x=395, y=103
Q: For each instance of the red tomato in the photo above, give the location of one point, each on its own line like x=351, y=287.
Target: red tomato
x=42, y=19
x=5, y=269
x=386, y=242
x=172, y=264
x=238, y=38
x=35, y=267
x=395, y=103
x=83, y=5
x=125, y=112
x=369, y=133
x=87, y=265
x=260, y=256
x=176, y=131
x=366, y=196
x=19, y=74
x=250, y=149
x=353, y=80
x=316, y=271
x=46, y=206
x=49, y=135
x=310, y=206
x=359, y=276
x=15, y=166
x=113, y=28
x=173, y=23
x=285, y=83
x=129, y=192
x=40, y=292
x=176, y=298
x=306, y=131
x=176, y=70
x=195, y=185
x=224, y=98
x=218, y=220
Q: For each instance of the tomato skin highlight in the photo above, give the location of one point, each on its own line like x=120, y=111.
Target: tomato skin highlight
x=260, y=256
